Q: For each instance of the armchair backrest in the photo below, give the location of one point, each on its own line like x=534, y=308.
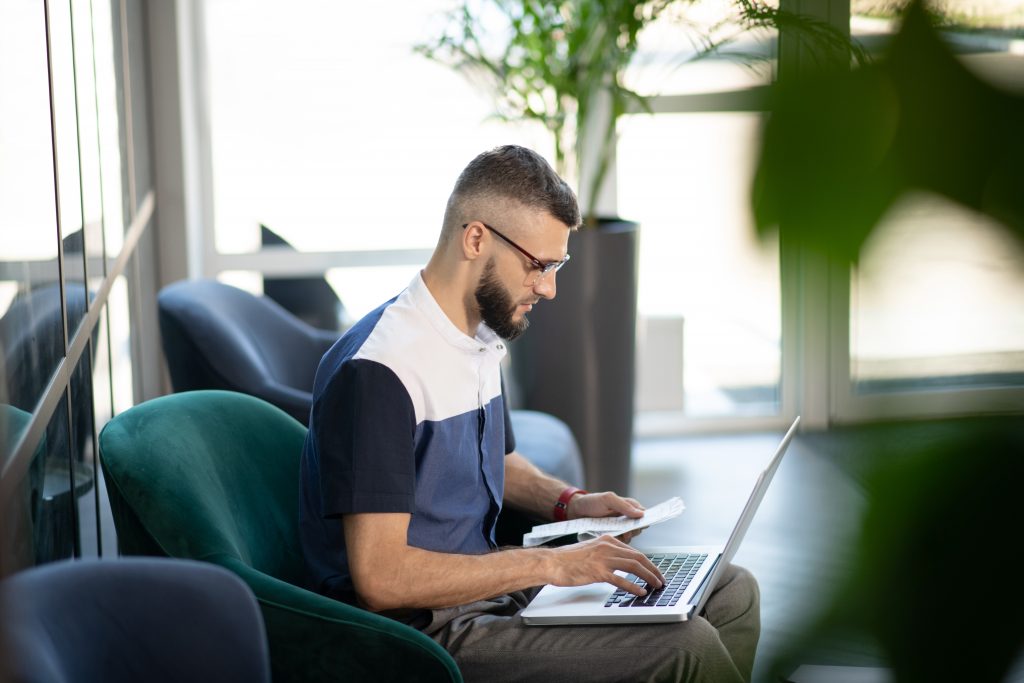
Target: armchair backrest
x=216, y=336
x=134, y=619
x=208, y=475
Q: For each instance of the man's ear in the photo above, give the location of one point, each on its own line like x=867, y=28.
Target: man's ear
x=472, y=241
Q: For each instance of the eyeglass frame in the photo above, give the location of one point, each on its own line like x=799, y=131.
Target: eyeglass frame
x=544, y=268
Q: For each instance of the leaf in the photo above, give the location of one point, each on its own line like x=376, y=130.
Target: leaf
x=842, y=146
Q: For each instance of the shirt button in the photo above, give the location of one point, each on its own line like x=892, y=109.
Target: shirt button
x=500, y=347
x=482, y=349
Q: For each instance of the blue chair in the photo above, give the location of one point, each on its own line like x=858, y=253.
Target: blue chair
x=216, y=336
x=114, y=621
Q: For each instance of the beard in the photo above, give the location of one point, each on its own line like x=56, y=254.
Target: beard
x=497, y=307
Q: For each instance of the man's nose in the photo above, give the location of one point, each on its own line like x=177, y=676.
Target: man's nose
x=546, y=285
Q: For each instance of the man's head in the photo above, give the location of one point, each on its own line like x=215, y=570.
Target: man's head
x=507, y=225
x=510, y=174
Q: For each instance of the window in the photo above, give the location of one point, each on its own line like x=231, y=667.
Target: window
x=709, y=290
x=928, y=321
x=709, y=329
x=935, y=302
x=336, y=135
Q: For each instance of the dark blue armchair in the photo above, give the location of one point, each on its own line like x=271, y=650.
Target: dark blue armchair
x=154, y=620
x=216, y=336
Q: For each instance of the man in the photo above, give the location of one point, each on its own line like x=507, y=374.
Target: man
x=410, y=458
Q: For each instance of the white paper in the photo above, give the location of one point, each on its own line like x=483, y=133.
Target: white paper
x=592, y=527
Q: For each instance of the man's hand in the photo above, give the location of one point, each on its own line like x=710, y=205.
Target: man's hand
x=606, y=504
x=596, y=560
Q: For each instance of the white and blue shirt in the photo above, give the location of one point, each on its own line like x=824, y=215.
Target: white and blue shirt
x=407, y=416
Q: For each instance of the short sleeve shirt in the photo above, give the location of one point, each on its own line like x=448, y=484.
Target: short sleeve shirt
x=408, y=416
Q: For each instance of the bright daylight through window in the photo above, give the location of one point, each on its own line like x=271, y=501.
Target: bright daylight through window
x=343, y=139
x=333, y=155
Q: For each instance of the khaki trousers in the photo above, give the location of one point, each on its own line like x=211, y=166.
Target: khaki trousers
x=491, y=644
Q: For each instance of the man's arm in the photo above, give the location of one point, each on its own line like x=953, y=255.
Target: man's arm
x=531, y=490
x=388, y=573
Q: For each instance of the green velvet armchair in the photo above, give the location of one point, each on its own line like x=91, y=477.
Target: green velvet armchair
x=214, y=476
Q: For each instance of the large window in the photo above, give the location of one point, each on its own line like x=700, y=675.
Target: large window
x=344, y=142
x=928, y=322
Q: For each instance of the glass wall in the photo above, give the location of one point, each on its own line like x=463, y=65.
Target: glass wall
x=31, y=312
x=63, y=341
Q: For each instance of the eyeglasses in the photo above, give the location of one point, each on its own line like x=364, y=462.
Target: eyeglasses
x=541, y=268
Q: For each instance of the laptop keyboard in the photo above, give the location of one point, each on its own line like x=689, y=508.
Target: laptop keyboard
x=678, y=571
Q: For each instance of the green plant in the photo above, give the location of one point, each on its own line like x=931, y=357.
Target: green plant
x=552, y=60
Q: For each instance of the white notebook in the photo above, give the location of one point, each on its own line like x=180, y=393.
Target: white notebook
x=592, y=527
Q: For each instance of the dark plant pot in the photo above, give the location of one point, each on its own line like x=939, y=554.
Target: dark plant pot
x=577, y=360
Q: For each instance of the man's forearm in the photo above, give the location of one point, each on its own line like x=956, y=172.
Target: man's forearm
x=420, y=578
x=388, y=573
x=529, y=489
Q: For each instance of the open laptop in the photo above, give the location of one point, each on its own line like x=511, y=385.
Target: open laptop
x=691, y=573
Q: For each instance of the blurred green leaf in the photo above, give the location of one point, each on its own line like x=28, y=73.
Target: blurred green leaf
x=549, y=60
x=842, y=146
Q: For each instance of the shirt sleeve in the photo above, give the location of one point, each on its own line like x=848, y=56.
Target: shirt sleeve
x=364, y=428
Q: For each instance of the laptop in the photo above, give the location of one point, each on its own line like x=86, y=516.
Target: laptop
x=691, y=573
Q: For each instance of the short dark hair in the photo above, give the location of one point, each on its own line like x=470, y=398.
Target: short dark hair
x=519, y=174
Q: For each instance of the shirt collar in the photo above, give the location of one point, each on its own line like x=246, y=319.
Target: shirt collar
x=485, y=341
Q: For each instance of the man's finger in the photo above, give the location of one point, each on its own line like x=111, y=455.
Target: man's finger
x=626, y=585
x=645, y=571
x=626, y=506
x=615, y=540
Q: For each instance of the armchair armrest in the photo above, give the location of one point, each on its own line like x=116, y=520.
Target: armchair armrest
x=316, y=638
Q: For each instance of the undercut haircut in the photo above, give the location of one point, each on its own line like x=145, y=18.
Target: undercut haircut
x=514, y=173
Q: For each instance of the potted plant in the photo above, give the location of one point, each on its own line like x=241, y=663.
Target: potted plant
x=562, y=63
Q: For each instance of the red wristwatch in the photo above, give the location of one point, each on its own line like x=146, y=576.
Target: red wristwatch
x=562, y=506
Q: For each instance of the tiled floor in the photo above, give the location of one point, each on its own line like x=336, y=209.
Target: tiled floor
x=800, y=545
x=797, y=546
